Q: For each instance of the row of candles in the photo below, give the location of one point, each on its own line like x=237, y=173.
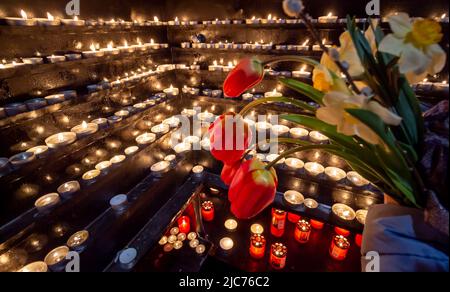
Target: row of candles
x=50, y=20
x=261, y=45
x=95, y=51
x=80, y=131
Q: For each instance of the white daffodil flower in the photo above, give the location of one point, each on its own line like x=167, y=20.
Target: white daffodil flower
x=334, y=113
x=416, y=44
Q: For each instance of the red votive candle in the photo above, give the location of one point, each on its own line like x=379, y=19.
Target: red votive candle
x=302, y=231
x=341, y=231
x=278, y=222
x=278, y=255
x=339, y=247
x=184, y=224
x=358, y=240
x=317, y=224
x=293, y=218
x=208, y=211
x=257, y=246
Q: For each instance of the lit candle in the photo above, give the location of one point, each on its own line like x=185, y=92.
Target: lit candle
x=56, y=59
x=247, y=96
x=226, y=243
x=33, y=60
x=257, y=246
x=188, y=112
x=256, y=229
x=314, y=168
x=171, y=91
x=231, y=224
x=192, y=140
x=330, y=18
x=200, y=249
x=278, y=222
x=85, y=129
x=119, y=203
x=302, y=231
x=35, y=267
x=39, y=151
x=198, y=170
x=45, y=203
x=182, y=147
x=339, y=247
x=280, y=130
x=356, y=179
x=131, y=150
x=126, y=49
x=22, y=158
x=160, y=129
x=208, y=211
x=68, y=189
x=194, y=243
x=184, y=224
x=343, y=211
x=78, y=240
x=335, y=173
x=317, y=137
x=172, y=122
x=361, y=216
x=55, y=257
x=278, y=255
x=145, y=139
x=253, y=20
x=73, y=22
x=60, y=140
x=206, y=117
x=272, y=157
x=294, y=164
x=298, y=133
x=117, y=159
x=273, y=93
x=110, y=50
x=21, y=21
x=293, y=198
x=91, y=176
x=103, y=166
x=55, y=98
x=304, y=47
x=302, y=73
x=160, y=167
x=215, y=67
x=176, y=21
x=311, y=203
x=93, y=52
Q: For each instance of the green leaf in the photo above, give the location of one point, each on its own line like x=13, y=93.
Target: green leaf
x=409, y=122
x=413, y=102
x=305, y=89
x=404, y=187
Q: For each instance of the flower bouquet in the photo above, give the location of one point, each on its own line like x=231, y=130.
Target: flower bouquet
x=365, y=106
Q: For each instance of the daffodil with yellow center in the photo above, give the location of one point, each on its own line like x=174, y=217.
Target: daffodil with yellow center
x=334, y=113
x=416, y=44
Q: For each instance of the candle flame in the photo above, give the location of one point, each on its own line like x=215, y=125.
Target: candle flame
x=230, y=64
x=92, y=47
x=269, y=17
x=152, y=41
x=215, y=62
x=330, y=14
x=253, y=18
x=50, y=17
x=23, y=14
x=171, y=87
x=139, y=41
x=176, y=19
x=444, y=82
x=75, y=18
x=84, y=125
x=425, y=80
x=306, y=42
x=221, y=61
x=125, y=43
x=235, y=62
x=303, y=69
x=110, y=45
x=155, y=19
x=324, y=41
x=2, y=66
x=443, y=15
x=60, y=137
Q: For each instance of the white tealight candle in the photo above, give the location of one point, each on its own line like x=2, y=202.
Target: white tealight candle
x=60, y=140
x=182, y=147
x=206, y=117
x=356, y=179
x=330, y=18
x=39, y=151
x=35, y=267
x=131, y=150
x=73, y=22
x=160, y=129
x=119, y=202
x=198, y=170
x=302, y=73
x=280, y=130
x=344, y=212
x=55, y=59
x=171, y=91
x=294, y=163
x=257, y=229
x=33, y=60
x=172, y=122
x=69, y=188
x=188, y=112
x=293, y=198
x=192, y=139
x=335, y=173
x=103, y=166
x=93, y=53
x=78, y=240
x=361, y=216
x=247, y=96
x=122, y=113
x=215, y=67
x=298, y=133
x=117, y=159
x=205, y=144
x=253, y=20
x=85, y=129
x=200, y=249
x=272, y=157
x=145, y=139
x=21, y=21
x=160, y=167
x=231, y=224
x=56, y=256
x=47, y=202
x=314, y=168
x=311, y=203
x=273, y=93
x=226, y=243
x=170, y=157
x=91, y=176
x=317, y=137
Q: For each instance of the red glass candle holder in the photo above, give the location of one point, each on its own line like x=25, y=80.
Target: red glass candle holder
x=278, y=222
x=341, y=231
x=293, y=218
x=184, y=224
x=317, y=224
x=302, y=231
x=339, y=247
x=257, y=246
x=358, y=239
x=278, y=254
x=208, y=211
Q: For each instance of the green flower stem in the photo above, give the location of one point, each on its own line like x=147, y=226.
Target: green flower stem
x=290, y=58
x=295, y=102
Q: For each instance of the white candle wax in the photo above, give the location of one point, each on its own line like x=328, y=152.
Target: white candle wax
x=119, y=202
x=69, y=188
x=231, y=224
x=226, y=243
x=317, y=137
x=314, y=168
x=46, y=202
x=60, y=140
x=343, y=212
x=85, y=129
x=335, y=173
x=117, y=159
x=356, y=179
x=145, y=139
x=293, y=198
x=330, y=18
x=294, y=163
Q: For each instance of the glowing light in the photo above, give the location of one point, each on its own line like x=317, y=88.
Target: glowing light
x=23, y=14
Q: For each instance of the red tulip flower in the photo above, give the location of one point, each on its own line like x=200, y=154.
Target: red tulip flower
x=230, y=137
x=253, y=189
x=248, y=73
x=229, y=171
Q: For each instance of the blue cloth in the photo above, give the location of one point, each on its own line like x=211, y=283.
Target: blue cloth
x=404, y=241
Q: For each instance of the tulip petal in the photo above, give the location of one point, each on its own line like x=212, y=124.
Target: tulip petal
x=400, y=24
x=386, y=115
x=391, y=45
